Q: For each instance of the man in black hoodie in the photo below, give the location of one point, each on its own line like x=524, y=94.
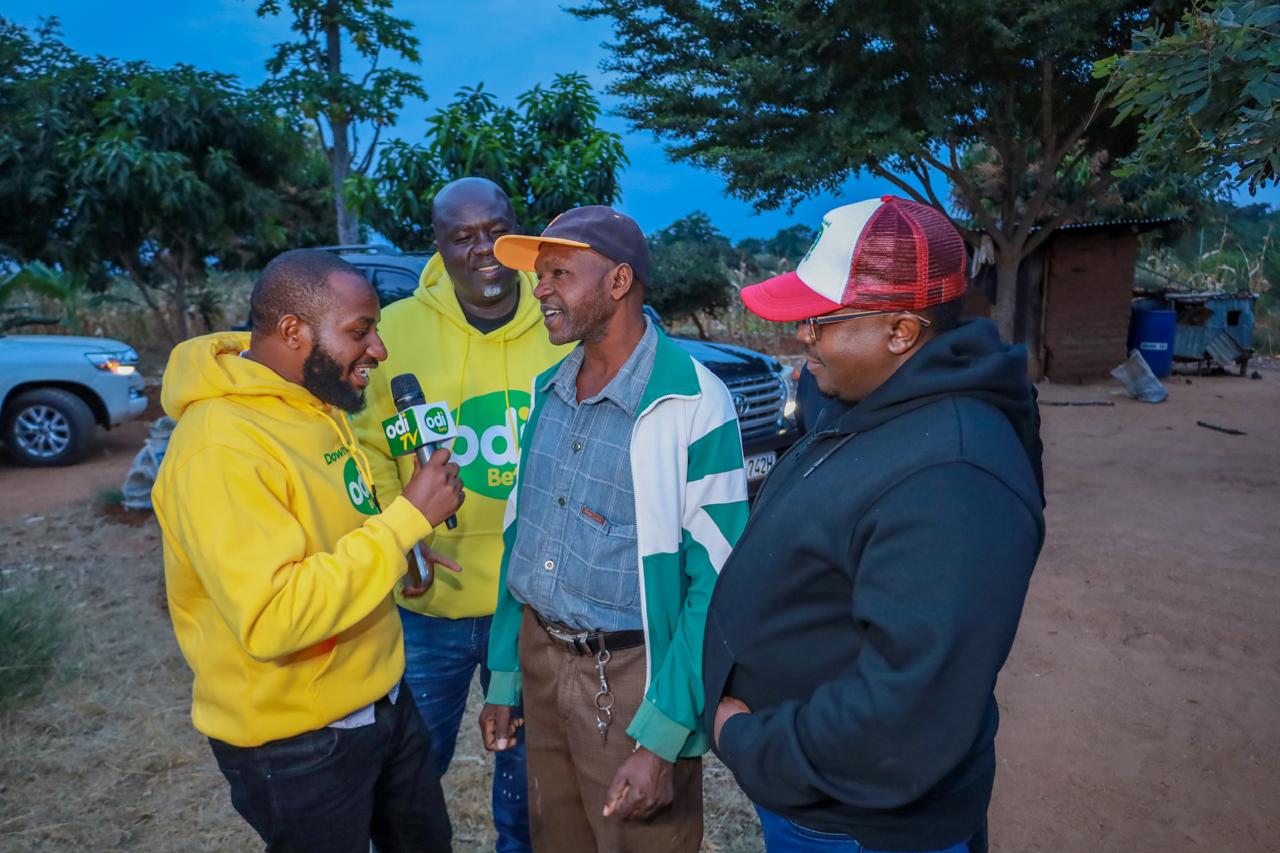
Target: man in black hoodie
x=855, y=633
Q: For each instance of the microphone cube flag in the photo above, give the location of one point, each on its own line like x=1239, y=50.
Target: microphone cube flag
x=425, y=423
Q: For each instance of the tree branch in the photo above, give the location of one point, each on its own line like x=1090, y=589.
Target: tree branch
x=320, y=131
x=899, y=183
x=921, y=172
x=1050, y=164
x=968, y=192
x=1035, y=240
x=368, y=154
x=373, y=69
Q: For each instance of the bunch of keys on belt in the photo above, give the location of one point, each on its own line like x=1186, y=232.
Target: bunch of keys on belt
x=604, y=698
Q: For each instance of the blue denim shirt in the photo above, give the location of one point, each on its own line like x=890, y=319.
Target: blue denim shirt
x=575, y=557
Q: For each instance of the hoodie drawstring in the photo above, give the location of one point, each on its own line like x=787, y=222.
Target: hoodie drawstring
x=506, y=400
x=839, y=444
x=348, y=441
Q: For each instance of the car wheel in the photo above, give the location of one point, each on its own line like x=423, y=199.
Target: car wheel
x=48, y=426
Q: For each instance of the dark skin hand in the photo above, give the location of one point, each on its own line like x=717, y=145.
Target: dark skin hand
x=641, y=788
x=498, y=727
x=435, y=488
x=433, y=558
x=728, y=707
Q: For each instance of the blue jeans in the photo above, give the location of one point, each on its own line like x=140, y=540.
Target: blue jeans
x=784, y=836
x=441, y=656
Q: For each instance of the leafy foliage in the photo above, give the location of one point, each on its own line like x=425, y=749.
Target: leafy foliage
x=1080, y=189
x=548, y=154
x=308, y=75
x=111, y=168
x=691, y=261
x=788, y=98
x=1206, y=93
x=1233, y=249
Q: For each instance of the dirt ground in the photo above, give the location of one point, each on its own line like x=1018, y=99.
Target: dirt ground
x=29, y=490
x=1139, y=704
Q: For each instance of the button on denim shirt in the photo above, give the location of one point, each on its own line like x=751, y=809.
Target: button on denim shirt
x=575, y=557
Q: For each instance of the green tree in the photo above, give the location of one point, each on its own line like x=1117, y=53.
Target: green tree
x=1206, y=92
x=549, y=154
x=789, y=98
x=691, y=275
x=47, y=93
x=111, y=168
x=308, y=75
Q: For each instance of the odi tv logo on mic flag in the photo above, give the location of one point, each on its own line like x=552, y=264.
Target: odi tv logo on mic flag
x=418, y=425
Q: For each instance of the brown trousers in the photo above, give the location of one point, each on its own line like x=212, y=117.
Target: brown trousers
x=571, y=766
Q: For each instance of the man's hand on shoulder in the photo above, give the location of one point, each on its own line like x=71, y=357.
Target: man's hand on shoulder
x=641, y=788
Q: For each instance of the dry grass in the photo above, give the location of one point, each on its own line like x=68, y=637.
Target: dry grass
x=105, y=758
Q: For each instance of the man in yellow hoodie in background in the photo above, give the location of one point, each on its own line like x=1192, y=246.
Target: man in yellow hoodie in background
x=279, y=569
x=473, y=335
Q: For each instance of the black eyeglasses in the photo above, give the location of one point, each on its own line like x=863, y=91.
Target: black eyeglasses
x=814, y=322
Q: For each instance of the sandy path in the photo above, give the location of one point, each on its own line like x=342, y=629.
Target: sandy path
x=1139, y=704
x=25, y=491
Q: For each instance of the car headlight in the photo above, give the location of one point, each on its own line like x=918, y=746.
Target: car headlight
x=787, y=376
x=122, y=362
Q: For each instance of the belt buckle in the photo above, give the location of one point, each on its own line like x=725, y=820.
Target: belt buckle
x=575, y=643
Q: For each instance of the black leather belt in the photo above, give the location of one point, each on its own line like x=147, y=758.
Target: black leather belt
x=580, y=642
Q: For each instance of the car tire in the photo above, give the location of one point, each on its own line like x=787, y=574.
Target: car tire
x=47, y=427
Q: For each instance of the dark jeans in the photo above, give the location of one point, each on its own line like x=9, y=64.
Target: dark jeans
x=440, y=660
x=785, y=836
x=335, y=790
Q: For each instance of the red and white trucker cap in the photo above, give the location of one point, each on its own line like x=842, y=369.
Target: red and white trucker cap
x=878, y=254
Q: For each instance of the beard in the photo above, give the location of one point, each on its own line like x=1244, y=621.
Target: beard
x=587, y=322
x=323, y=376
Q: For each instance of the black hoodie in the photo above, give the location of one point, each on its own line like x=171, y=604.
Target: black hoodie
x=874, y=595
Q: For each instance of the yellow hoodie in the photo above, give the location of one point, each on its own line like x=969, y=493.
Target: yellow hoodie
x=485, y=379
x=277, y=566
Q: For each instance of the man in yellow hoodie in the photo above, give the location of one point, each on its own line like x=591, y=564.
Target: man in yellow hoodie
x=279, y=568
x=473, y=335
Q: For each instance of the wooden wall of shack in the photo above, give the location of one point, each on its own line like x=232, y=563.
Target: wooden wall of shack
x=1074, y=297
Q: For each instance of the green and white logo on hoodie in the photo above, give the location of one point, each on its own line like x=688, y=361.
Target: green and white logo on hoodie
x=487, y=447
x=357, y=490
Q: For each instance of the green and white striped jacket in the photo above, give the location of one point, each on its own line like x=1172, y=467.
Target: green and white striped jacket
x=691, y=507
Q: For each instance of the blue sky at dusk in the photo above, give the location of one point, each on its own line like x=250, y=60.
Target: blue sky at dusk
x=509, y=45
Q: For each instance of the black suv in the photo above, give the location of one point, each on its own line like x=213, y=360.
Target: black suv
x=763, y=391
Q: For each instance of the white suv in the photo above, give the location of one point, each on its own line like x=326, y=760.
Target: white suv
x=54, y=389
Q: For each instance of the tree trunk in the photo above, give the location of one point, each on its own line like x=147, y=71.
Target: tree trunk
x=702, y=332
x=340, y=166
x=340, y=153
x=180, y=308
x=1005, y=315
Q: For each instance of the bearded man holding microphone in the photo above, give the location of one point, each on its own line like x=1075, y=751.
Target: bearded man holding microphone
x=279, y=567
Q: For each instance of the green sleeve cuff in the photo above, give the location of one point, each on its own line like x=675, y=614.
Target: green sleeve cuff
x=656, y=732
x=504, y=688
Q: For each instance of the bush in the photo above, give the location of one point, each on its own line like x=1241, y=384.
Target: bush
x=31, y=633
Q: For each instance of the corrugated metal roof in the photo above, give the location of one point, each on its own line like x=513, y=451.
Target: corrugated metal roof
x=1137, y=224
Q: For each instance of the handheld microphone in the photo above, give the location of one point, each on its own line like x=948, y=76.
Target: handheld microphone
x=418, y=428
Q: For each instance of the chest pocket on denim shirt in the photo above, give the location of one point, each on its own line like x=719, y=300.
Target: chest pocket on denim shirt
x=609, y=551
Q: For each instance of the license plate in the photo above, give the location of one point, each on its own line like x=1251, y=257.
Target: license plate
x=760, y=465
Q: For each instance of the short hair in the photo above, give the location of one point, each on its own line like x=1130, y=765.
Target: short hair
x=944, y=316
x=295, y=282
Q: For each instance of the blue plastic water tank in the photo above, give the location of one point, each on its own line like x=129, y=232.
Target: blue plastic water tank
x=1151, y=333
